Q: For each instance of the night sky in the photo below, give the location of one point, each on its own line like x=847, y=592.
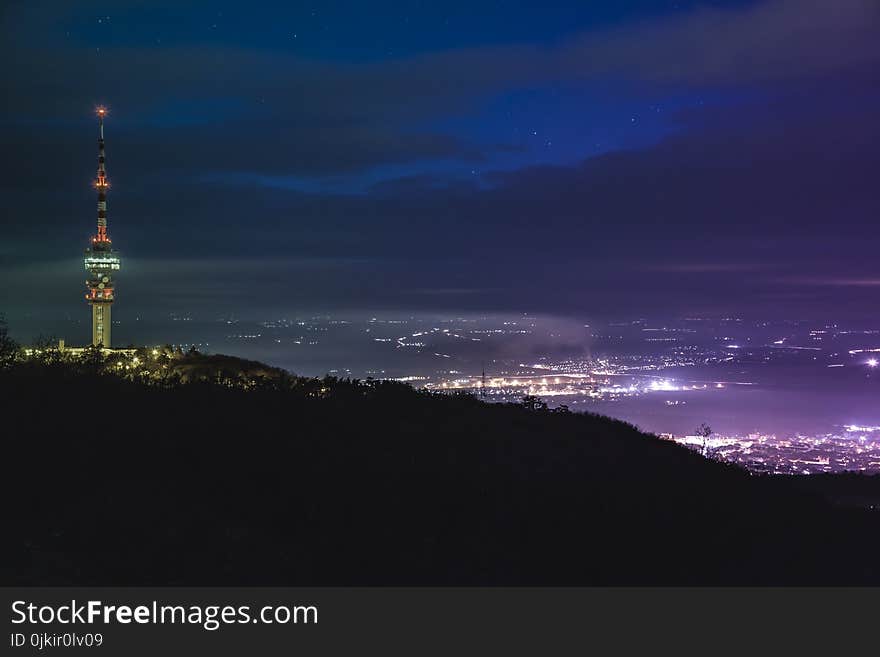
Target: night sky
x=626, y=158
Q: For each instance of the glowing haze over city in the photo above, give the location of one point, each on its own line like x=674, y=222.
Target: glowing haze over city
x=663, y=212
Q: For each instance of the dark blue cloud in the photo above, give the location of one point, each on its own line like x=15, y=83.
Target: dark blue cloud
x=607, y=157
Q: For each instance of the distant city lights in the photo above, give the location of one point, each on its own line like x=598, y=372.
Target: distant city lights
x=698, y=374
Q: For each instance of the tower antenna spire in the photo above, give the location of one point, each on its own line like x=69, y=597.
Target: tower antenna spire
x=101, y=183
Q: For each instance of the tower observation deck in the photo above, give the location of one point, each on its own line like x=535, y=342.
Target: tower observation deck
x=101, y=261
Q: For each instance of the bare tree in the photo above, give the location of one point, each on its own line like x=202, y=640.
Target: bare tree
x=704, y=431
x=8, y=346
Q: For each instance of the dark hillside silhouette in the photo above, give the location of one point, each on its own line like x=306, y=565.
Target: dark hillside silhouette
x=127, y=480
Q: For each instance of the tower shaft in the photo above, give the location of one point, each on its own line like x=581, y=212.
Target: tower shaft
x=101, y=324
x=100, y=259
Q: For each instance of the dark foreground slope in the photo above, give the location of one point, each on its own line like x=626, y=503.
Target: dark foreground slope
x=115, y=482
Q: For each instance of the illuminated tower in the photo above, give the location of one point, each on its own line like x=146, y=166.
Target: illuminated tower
x=101, y=261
